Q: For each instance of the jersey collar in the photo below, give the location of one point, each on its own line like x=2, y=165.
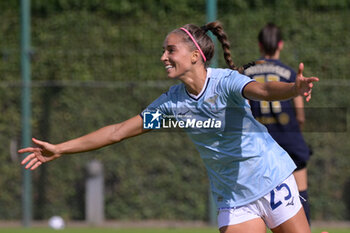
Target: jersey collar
x=197, y=97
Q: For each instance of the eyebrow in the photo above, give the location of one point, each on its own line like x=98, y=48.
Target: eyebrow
x=170, y=46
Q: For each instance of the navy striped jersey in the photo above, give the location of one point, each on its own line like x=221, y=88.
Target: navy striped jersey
x=278, y=116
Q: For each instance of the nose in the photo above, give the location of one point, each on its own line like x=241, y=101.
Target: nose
x=163, y=57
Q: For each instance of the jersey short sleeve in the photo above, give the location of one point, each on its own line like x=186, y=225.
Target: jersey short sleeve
x=233, y=85
x=164, y=103
x=161, y=104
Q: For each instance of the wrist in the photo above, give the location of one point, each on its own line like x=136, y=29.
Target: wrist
x=59, y=149
x=295, y=90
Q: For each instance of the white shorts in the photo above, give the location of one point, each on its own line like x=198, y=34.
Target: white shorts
x=278, y=206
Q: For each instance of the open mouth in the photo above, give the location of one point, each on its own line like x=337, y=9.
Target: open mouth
x=168, y=67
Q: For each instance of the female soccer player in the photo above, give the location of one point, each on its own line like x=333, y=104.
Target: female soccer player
x=250, y=174
x=283, y=119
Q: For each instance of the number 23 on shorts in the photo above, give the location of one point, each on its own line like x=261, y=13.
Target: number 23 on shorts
x=273, y=203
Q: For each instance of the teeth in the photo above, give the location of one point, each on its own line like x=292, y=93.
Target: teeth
x=168, y=67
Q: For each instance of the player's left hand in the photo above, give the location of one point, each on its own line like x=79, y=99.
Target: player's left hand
x=303, y=85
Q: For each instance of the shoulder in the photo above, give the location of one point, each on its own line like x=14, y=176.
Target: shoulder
x=217, y=73
x=222, y=74
x=165, y=101
x=175, y=90
x=272, y=66
x=289, y=71
x=283, y=65
x=230, y=82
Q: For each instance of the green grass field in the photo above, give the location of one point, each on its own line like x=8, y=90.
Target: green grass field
x=141, y=230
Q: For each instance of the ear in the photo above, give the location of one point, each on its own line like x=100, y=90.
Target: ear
x=195, y=56
x=280, y=45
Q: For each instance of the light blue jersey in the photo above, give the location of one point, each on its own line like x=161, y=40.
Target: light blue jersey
x=243, y=162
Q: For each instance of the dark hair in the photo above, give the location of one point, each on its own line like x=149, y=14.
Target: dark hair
x=206, y=44
x=269, y=37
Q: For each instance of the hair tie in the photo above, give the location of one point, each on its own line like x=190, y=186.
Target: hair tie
x=204, y=28
x=195, y=43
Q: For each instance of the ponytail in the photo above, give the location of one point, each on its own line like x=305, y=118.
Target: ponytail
x=197, y=38
x=217, y=29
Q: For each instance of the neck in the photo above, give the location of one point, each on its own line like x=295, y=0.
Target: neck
x=195, y=81
x=275, y=56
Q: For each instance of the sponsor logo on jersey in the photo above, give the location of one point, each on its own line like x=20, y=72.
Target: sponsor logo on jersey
x=155, y=120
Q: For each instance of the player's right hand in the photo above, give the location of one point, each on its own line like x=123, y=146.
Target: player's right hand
x=45, y=152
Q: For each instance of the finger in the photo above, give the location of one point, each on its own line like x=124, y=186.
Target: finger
x=28, y=149
x=301, y=69
x=31, y=163
x=312, y=79
x=38, y=142
x=308, y=95
x=36, y=165
x=308, y=91
x=26, y=159
x=308, y=98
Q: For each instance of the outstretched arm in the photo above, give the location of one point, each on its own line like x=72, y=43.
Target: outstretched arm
x=271, y=91
x=46, y=152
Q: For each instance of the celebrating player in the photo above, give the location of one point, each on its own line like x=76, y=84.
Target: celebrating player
x=250, y=174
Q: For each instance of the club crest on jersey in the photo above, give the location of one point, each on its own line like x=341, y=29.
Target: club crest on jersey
x=212, y=99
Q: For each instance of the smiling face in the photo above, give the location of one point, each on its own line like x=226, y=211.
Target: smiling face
x=177, y=56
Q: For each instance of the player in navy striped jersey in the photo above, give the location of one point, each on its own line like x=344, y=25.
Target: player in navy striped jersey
x=283, y=119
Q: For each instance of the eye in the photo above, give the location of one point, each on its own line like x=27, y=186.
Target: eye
x=171, y=50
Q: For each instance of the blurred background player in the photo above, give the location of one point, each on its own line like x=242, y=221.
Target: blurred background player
x=283, y=119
